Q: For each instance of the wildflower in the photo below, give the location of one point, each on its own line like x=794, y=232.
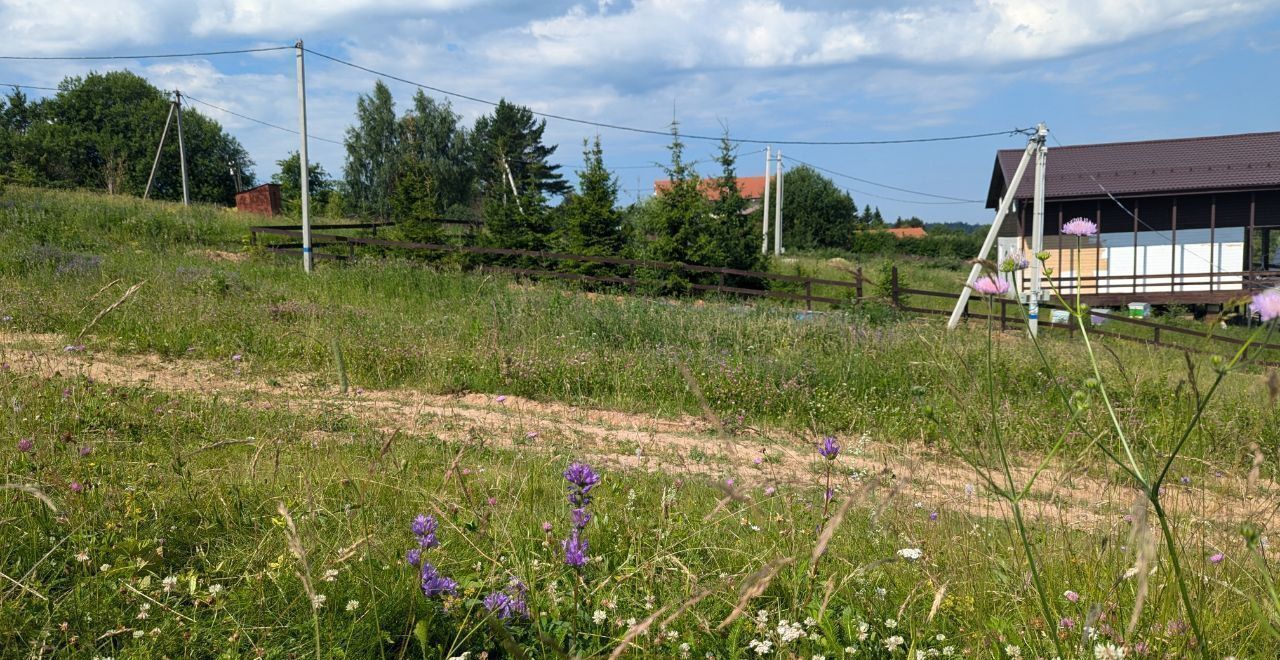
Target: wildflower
x=531, y=435
x=575, y=550
x=1014, y=261
x=506, y=605
x=76, y=486
x=758, y=460
x=892, y=643
x=73, y=348
x=25, y=445
x=546, y=527
x=143, y=611
x=788, y=631
x=760, y=647
x=330, y=575
x=849, y=650
x=1080, y=227
x=579, y=517
x=891, y=623
x=413, y=556
x=990, y=285
x=1108, y=651
x=1013, y=651
x=911, y=554
x=769, y=491
x=1186, y=481
x=434, y=584
x=493, y=501
x=1216, y=558
x=583, y=477
x=1071, y=596
x=933, y=516
x=425, y=529
x=104, y=568
x=352, y=605
x=1132, y=571
x=948, y=650
x=598, y=617
x=82, y=556
x=1267, y=304
x=85, y=451
x=501, y=398
x=169, y=583
x=829, y=448
x=215, y=589
x=684, y=650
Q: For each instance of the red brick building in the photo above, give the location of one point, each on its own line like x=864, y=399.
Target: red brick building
x=263, y=199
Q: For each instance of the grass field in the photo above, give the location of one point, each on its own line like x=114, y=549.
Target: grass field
x=168, y=536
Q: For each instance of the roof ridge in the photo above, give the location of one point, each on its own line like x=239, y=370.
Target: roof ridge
x=1195, y=138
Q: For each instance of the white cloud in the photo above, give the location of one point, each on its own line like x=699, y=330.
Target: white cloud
x=296, y=17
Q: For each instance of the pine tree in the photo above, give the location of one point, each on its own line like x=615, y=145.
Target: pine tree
x=511, y=138
x=731, y=231
x=591, y=221
x=678, y=223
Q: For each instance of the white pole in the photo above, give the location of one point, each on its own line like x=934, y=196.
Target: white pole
x=764, y=244
x=777, y=211
x=990, y=241
x=1037, y=231
x=182, y=150
x=305, y=167
x=155, y=163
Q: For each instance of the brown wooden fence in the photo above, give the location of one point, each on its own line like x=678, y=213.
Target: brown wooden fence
x=1007, y=313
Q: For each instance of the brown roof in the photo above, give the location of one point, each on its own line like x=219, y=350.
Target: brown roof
x=1153, y=167
x=751, y=187
x=907, y=232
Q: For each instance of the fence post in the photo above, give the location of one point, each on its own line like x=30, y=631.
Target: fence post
x=253, y=236
x=808, y=295
x=893, y=291
x=721, y=282
x=858, y=285
x=1156, y=334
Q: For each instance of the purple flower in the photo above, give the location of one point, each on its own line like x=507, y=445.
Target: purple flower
x=435, y=584
x=580, y=517
x=85, y=451
x=769, y=491
x=77, y=487
x=933, y=515
x=501, y=398
x=575, y=550
x=582, y=476
x=1186, y=481
x=493, y=501
x=546, y=526
x=425, y=529
x=1080, y=227
x=73, y=348
x=1067, y=623
x=237, y=357
x=829, y=448
x=1216, y=558
x=1071, y=596
x=990, y=285
x=413, y=556
x=508, y=602
x=758, y=460
x=1267, y=304
x=25, y=445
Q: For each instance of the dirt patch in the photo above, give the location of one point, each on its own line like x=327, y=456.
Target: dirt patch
x=222, y=255
x=683, y=445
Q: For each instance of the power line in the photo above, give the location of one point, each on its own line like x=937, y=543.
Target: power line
x=18, y=86
x=154, y=56
x=957, y=200
x=649, y=131
x=264, y=123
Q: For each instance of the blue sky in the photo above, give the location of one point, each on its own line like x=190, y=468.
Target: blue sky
x=1093, y=70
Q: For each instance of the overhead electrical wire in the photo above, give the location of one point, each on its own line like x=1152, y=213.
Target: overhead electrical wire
x=154, y=56
x=264, y=123
x=18, y=86
x=649, y=131
x=950, y=199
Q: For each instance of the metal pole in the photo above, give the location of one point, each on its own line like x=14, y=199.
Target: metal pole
x=156, y=162
x=1037, y=231
x=777, y=212
x=990, y=241
x=182, y=150
x=305, y=169
x=764, y=243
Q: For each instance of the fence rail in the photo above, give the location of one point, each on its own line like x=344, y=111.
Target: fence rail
x=1146, y=332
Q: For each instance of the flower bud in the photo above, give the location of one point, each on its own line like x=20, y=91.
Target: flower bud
x=1042, y=255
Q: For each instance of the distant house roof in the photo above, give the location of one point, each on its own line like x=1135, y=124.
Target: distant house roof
x=751, y=187
x=908, y=232
x=1221, y=162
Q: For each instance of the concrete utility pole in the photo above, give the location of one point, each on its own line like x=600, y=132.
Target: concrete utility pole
x=155, y=163
x=304, y=165
x=764, y=244
x=1037, y=231
x=777, y=215
x=1011, y=189
x=182, y=150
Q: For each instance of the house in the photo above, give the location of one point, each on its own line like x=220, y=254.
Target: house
x=263, y=199
x=751, y=188
x=907, y=232
x=1191, y=220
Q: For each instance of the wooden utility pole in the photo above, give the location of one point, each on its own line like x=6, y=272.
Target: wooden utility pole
x=182, y=150
x=163, y=134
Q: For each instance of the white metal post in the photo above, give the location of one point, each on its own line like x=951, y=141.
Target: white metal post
x=1037, y=231
x=1010, y=190
x=155, y=163
x=777, y=214
x=182, y=149
x=764, y=243
x=305, y=167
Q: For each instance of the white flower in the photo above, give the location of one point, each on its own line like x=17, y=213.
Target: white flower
x=142, y=611
x=684, y=650
x=815, y=657
x=761, y=648
x=789, y=632
x=911, y=554
x=104, y=568
x=466, y=655
x=1108, y=651
x=317, y=601
x=1013, y=651
x=849, y=650
x=353, y=605
x=891, y=623
x=169, y=583
x=809, y=622
x=215, y=589
x=598, y=617
x=631, y=623
x=881, y=591
x=330, y=575
x=1133, y=570
x=941, y=637
x=891, y=644
x=948, y=650
x=138, y=633
x=82, y=556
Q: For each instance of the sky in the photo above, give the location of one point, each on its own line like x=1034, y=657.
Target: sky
x=798, y=70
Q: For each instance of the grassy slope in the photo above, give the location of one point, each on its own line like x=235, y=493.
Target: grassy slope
x=214, y=510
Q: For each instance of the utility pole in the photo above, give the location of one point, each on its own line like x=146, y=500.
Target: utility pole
x=764, y=244
x=1037, y=231
x=163, y=134
x=777, y=215
x=182, y=150
x=305, y=166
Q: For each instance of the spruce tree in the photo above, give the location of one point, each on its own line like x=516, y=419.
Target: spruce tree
x=591, y=221
x=373, y=156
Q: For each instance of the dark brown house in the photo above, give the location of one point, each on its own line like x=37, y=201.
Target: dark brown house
x=1192, y=220
x=263, y=199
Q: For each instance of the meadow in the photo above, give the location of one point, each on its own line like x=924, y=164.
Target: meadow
x=228, y=459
